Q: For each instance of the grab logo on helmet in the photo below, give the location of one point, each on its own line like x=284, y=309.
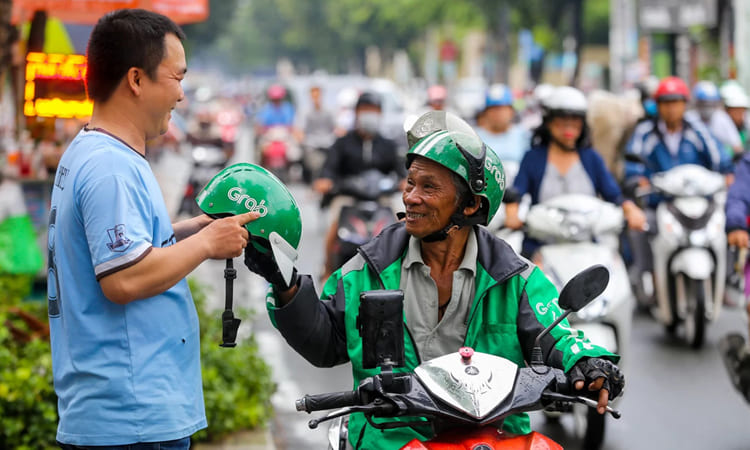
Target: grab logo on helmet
x=496, y=172
x=236, y=195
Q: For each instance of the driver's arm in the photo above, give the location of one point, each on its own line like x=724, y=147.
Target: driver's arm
x=537, y=309
x=313, y=327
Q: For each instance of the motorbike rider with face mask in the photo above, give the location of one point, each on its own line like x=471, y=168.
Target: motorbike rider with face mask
x=561, y=161
x=462, y=287
x=359, y=150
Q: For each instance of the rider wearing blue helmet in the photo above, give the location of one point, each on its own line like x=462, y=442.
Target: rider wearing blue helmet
x=707, y=109
x=509, y=141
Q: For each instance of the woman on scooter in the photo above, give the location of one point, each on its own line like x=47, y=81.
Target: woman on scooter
x=561, y=161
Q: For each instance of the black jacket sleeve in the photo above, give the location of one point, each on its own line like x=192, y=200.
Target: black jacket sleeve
x=314, y=328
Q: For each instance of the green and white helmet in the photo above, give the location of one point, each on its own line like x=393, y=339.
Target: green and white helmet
x=245, y=187
x=468, y=157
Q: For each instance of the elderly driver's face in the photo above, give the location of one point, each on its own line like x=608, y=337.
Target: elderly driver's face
x=429, y=197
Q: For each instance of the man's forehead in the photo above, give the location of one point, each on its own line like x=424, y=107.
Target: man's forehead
x=424, y=167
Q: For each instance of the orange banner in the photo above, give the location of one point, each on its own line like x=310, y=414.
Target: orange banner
x=89, y=11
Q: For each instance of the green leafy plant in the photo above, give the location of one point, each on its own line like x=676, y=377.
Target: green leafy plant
x=28, y=404
x=237, y=383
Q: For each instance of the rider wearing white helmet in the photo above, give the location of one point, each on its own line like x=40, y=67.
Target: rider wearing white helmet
x=561, y=161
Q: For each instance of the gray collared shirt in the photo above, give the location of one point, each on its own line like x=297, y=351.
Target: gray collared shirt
x=435, y=338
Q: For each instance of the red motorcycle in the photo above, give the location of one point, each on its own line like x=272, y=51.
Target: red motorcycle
x=465, y=396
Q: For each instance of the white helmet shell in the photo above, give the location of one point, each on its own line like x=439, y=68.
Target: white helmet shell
x=734, y=96
x=567, y=99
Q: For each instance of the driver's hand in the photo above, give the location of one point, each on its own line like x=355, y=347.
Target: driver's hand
x=513, y=222
x=635, y=216
x=598, y=374
x=738, y=238
x=323, y=185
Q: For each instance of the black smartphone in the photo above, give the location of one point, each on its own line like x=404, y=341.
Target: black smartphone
x=381, y=327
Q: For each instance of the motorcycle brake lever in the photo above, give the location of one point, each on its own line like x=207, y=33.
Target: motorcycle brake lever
x=554, y=396
x=312, y=424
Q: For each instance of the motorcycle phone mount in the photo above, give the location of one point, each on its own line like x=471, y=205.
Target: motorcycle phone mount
x=381, y=326
x=577, y=293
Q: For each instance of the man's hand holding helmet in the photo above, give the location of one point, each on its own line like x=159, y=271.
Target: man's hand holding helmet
x=264, y=264
x=227, y=238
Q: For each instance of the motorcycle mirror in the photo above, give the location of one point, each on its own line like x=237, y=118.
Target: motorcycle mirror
x=583, y=288
x=577, y=293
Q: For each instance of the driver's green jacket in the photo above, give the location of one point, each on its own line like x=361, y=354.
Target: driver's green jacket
x=514, y=301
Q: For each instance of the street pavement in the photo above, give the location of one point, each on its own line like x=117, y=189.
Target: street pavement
x=675, y=397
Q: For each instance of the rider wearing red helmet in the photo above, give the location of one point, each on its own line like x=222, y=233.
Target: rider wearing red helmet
x=668, y=140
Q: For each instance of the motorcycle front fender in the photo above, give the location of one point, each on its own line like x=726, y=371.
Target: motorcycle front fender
x=696, y=263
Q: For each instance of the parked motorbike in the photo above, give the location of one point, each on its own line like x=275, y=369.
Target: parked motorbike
x=278, y=150
x=207, y=160
x=368, y=215
x=689, y=249
x=464, y=396
x=579, y=231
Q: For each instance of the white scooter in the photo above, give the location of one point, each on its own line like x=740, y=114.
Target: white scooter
x=580, y=231
x=689, y=249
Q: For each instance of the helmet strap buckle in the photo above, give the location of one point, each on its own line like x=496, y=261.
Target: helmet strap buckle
x=477, y=183
x=229, y=324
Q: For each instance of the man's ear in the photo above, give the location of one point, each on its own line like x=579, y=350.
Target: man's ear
x=134, y=78
x=473, y=206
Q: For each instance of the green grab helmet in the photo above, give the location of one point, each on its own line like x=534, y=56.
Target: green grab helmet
x=245, y=187
x=469, y=158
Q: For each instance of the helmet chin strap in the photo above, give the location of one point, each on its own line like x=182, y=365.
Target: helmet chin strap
x=458, y=220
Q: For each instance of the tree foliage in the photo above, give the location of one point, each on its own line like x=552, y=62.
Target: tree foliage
x=333, y=34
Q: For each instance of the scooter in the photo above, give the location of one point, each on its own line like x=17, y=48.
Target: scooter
x=579, y=231
x=278, y=150
x=366, y=218
x=207, y=160
x=464, y=396
x=689, y=248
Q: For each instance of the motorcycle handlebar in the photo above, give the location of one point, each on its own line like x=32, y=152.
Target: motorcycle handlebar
x=331, y=400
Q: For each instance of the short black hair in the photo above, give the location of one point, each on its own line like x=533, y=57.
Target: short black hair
x=123, y=39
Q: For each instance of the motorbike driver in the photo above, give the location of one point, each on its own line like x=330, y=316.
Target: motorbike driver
x=562, y=161
x=736, y=103
x=276, y=112
x=662, y=143
x=462, y=286
x=708, y=110
x=360, y=149
x=508, y=140
x=733, y=346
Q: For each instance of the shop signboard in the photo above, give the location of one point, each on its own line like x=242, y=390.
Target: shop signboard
x=676, y=16
x=55, y=86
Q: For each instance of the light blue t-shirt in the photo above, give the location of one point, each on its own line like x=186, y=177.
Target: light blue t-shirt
x=123, y=373
x=508, y=146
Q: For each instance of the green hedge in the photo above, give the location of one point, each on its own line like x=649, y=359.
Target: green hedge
x=237, y=383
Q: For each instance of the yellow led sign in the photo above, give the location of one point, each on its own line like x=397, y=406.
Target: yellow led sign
x=55, y=86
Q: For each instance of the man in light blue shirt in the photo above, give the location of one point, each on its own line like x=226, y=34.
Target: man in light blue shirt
x=508, y=140
x=124, y=329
